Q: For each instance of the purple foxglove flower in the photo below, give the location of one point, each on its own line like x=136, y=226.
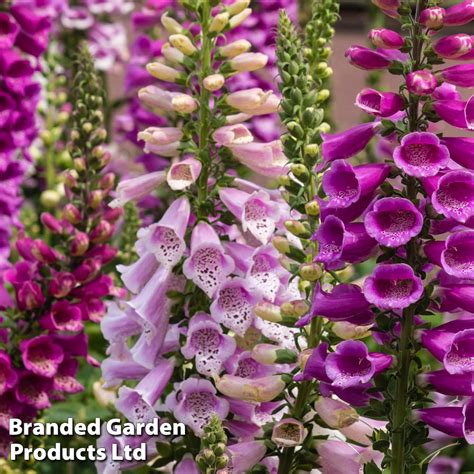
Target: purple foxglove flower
x=136, y=188
x=120, y=367
x=393, y=221
x=393, y=286
x=457, y=113
x=63, y=317
x=233, y=306
x=449, y=420
x=242, y=364
x=461, y=75
x=33, y=390
x=266, y=159
x=187, y=466
x=445, y=465
x=336, y=414
x=433, y=17
x=457, y=258
x=263, y=389
x=339, y=243
x=8, y=377
x=340, y=457
x=459, y=358
x=9, y=31
x=449, y=384
x=344, y=303
x=421, y=82
x=61, y=284
x=384, y=38
x=207, y=265
x=118, y=324
x=421, y=154
x=346, y=144
x=367, y=59
x=194, y=402
x=257, y=212
x=454, y=46
x=344, y=184
x=245, y=455
x=183, y=174
x=459, y=14
x=41, y=355
x=166, y=238
x=136, y=275
x=207, y=344
x=233, y=135
x=253, y=101
x=381, y=104
x=65, y=378
x=136, y=404
x=454, y=195
x=351, y=364
x=446, y=91
x=461, y=150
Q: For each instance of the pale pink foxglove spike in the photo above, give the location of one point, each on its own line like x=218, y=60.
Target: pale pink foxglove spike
x=183, y=174
x=233, y=135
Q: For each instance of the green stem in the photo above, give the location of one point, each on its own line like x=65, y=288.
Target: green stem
x=204, y=111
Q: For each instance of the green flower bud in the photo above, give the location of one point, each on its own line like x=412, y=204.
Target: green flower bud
x=312, y=149
x=294, y=309
x=50, y=198
x=311, y=271
x=312, y=208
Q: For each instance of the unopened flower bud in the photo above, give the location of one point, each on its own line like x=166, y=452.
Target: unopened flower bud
x=346, y=330
x=50, y=198
x=219, y=22
x=311, y=271
x=284, y=180
x=79, y=164
x=268, y=311
x=42, y=252
x=107, y=181
x=421, y=82
x=101, y=232
x=95, y=198
x=288, y=433
x=324, y=128
x=323, y=95
x=79, y=244
x=183, y=43
x=312, y=208
x=235, y=48
x=238, y=19
x=183, y=104
x=170, y=24
x=51, y=223
x=173, y=55
x=336, y=414
x=248, y=62
x=105, y=397
x=238, y=6
x=433, y=17
x=61, y=284
x=163, y=72
x=297, y=228
x=272, y=354
x=214, y=82
x=282, y=244
x=72, y=214
x=299, y=170
x=312, y=149
x=258, y=390
x=295, y=309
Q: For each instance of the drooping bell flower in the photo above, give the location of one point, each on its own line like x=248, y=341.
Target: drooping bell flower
x=382, y=104
x=257, y=390
x=385, y=38
x=207, y=344
x=445, y=465
x=449, y=384
x=421, y=154
x=393, y=286
x=233, y=306
x=65, y=379
x=461, y=150
x=457, y=258
x=345, y=184
x=343, y=303
x=233, y=135
x=459, y=14
x=454, y=46
x=207, y=264
x=288, y=433
x=266, y=159
x=457, y=113
x=183, y=174
x=194, y=402
x=433, y=17
x=348, y=143
x=367, y=59
x=41, y=355
x=165, y=239
x=339, y=243
x=352, y=364
x=63, y=317
x=253, y=101
x=421, y=82
x=257, y=212
x=454, y=195
x=135, y=188
x=137, y=403
x=8, y=376
x=245, y=455
x=461, y=75
x=393, y=221
x=33, y=390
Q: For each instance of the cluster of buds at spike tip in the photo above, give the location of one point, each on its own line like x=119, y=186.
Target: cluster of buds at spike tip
x=213, y=456
x=59, y=284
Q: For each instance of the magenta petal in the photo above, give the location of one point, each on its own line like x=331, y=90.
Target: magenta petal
x=330, y=237
x=455, y=112
x=468, y=423
x=461, y=75
x=459, y=357
x=433, y=251
x=450, y=384
x=458, y=257
x=341, y=184
x=461, y=150
x=459, y=14
x=448, y=420
x=437, y=342
x=367, y=59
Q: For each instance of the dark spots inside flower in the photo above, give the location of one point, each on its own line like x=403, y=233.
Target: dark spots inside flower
x=420, y=154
